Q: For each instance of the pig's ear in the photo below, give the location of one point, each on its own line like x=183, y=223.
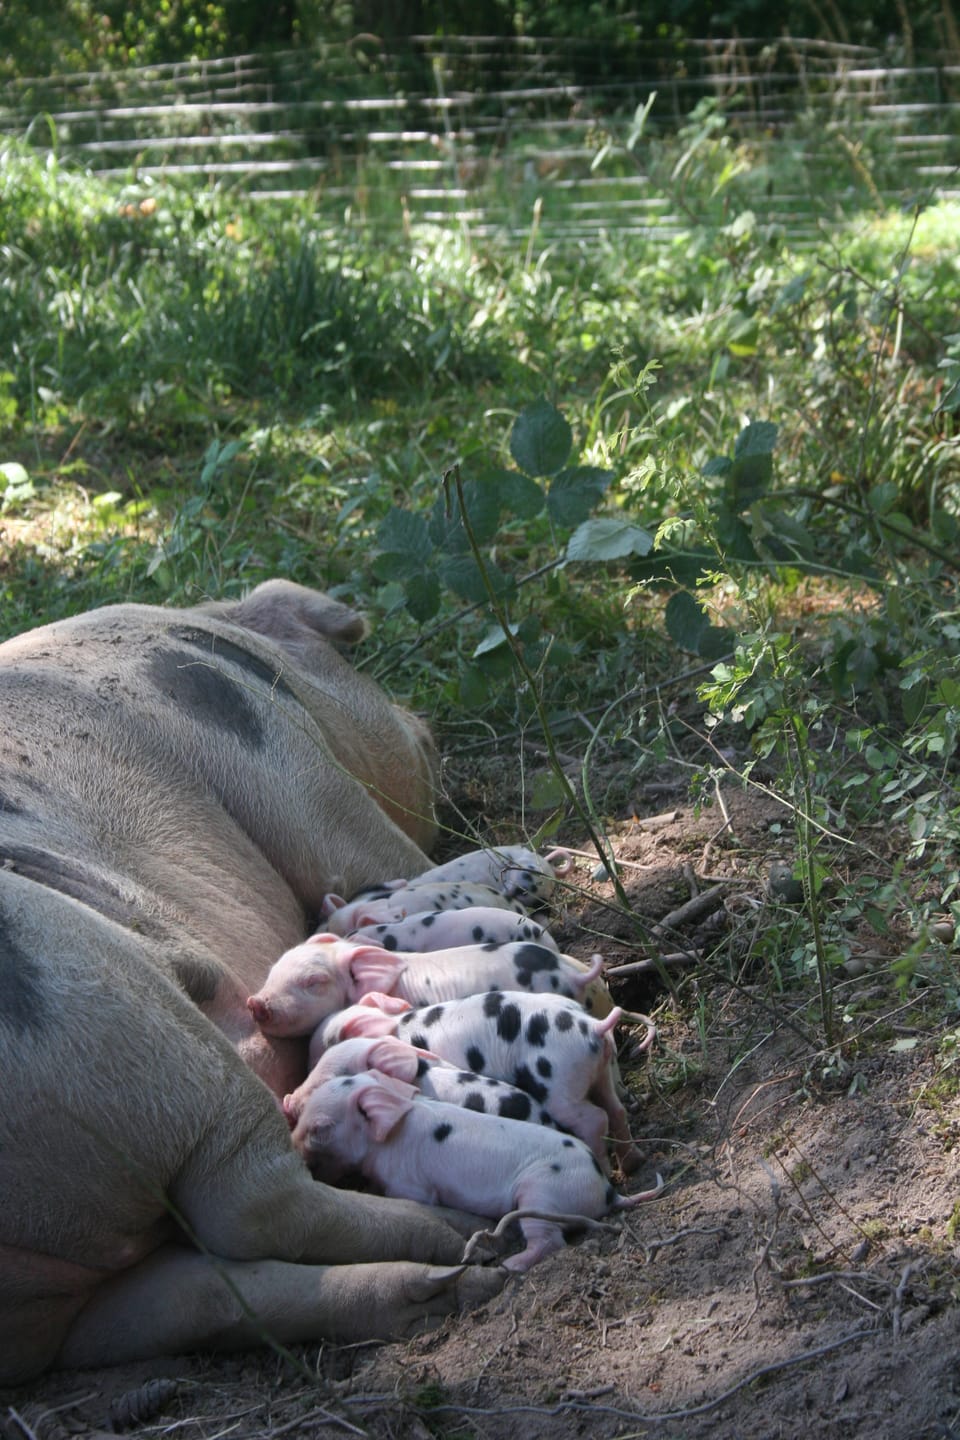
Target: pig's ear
x=319, y=1133
x=365, y=1023
x=372, y=968
x=392, y=1057
x=330, y=903
x=386, y=1004
x=322, y=937
x=383, y=1108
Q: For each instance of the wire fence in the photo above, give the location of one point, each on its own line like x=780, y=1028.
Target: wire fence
x=501, y=135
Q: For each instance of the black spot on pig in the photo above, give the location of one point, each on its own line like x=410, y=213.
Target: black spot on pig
x=475, y=1101
x=524, y=1079
x=544, y=1067
x=422, y=1067
x=442, y=1131
x=509, y=1023
x=583, y=1027
x=25, y=1008
x=431, y=1017
x=555, y=1167
x=388, y=941
x=538, y=1027
x=492, y=1004
x=531, y=960
x=477, y=933
x=214, y=648
x=418, y=1041
x=476, y=1059
x=564, y=1021
x=209, y=692
x=427, y=921
x=489, y=945
x=516, y=1106
x=567, y=1144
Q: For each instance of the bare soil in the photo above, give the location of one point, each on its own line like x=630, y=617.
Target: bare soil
x=798, y=1275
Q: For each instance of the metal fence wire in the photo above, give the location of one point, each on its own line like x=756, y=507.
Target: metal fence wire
x=496, y=135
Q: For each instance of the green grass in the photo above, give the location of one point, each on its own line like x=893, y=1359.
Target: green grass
x=197, y=392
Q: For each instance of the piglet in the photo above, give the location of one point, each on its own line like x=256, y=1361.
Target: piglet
x=443, y=929
x=325, y=973
x=435, y=1078
x=417, y=1149
x=342, y=916
x=512, y=869
x=544, y=1044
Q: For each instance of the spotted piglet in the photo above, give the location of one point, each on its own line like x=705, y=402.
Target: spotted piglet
x=417, y=1149
x=546, y=1045
x=444, y=929
x=342, y=916
x=511, y=869
x=326, y=973
x=434, y=1078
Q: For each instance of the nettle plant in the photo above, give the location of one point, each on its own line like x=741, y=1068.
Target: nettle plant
x=494, y=530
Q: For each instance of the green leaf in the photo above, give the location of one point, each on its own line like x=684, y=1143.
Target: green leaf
x=17, y=484
x=423, y=596
x=520, y=496
x=685, y=620
x=541, y=439
x=758, y=438
x=493, y=639
x=575, y=493
x=462, y=575
x=548, y=790
x=404, y=533
x=608, y=538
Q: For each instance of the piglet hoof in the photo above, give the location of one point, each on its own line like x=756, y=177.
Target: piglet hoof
x=630, y=1160
x=484, y=1246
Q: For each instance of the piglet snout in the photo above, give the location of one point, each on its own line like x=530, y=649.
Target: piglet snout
x=259, y=1009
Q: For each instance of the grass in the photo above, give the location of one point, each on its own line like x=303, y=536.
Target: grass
x=197, y=392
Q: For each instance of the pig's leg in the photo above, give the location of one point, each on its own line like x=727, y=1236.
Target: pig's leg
x=542, y=1237
x=585, y=1120
x=605, y=1094
x=180, y=1300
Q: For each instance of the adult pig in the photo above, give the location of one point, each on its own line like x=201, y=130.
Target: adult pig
x=178, y=790
x=443, y=1155
x=325, y=974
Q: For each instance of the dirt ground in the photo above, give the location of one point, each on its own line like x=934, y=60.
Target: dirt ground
x=797, y=1276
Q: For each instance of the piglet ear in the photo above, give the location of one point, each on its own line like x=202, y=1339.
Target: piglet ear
x=330, y=903
x=372, y=968
x=320, y=1132
x=393, y=1058
x=322, y=937
x=363, y=1023
x=386, y=1004
x=384, y=1106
